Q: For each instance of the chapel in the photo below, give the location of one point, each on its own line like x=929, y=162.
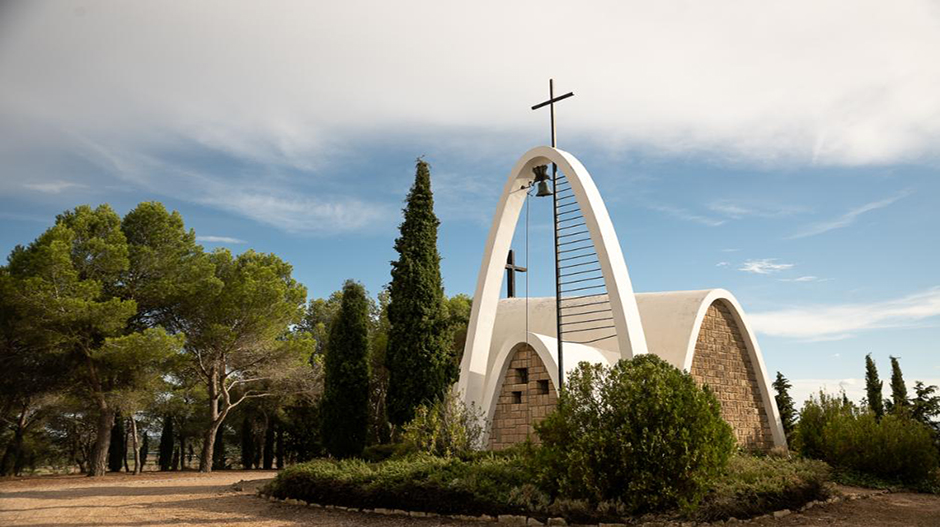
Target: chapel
x=510, y=367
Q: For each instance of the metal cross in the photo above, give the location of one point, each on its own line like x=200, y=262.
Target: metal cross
x=511, y=270
x=551, y=104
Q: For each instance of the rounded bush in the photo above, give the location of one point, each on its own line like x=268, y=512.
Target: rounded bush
x=641, y=433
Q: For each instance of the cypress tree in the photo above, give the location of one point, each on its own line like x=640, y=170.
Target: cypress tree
x=899, y=402
x=873, y=386
x=345, y=404
x=117, y=449
x=248, y=443
x=785, y=404
x=165, y=454
x=420, y=362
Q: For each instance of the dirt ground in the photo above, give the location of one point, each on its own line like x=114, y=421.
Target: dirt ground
x=187, y=498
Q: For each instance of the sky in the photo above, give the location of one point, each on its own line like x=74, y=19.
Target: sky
x=788, y=151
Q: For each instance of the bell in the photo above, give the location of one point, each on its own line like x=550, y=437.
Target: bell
x=543, y=189
x=541, y=177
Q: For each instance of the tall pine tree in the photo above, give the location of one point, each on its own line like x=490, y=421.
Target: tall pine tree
x=785, y=404
x=420, y=362
x=345, y=405
x=873, y=386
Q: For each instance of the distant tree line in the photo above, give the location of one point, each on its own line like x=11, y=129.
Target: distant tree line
x=122, y=336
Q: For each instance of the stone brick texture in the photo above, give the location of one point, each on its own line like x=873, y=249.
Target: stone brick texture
x=723, y=363
x=521, y=402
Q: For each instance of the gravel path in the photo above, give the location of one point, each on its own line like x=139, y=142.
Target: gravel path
x=178, y=499
x=227, y=498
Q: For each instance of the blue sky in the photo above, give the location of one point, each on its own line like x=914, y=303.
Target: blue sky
x=790, y=154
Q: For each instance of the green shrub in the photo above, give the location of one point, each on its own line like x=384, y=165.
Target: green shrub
x=641, y=433
x=446, y=428
x=894, y=448
x=755, y=485
x=419, y=483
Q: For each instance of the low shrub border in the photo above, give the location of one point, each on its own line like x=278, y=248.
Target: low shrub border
x=495, y=486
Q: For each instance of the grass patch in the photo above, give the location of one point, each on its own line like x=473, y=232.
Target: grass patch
x=755, y=485
x=501, y=483
x=853, y=478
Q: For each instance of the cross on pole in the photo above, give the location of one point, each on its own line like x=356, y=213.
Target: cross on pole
x=511, y=270
x=551, y=105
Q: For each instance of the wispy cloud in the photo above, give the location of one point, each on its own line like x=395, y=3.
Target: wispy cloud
x=722, y=264
x=849, y=217
x=53, y=187
x=739, y=209
x=804, y=279
x=854, y=388
x=218, y=239
x=764, y=266
x=302, y=215
x=685, y=214
x=828, y=322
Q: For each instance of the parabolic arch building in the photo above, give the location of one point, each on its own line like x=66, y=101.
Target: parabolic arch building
x=512, y=374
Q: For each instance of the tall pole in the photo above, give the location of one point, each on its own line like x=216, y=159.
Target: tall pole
x=561, y=368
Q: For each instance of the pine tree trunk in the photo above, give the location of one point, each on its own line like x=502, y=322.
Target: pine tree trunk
x=14, y=448
x=182, y=452
x=136, y=445
x=124, y=453
x=267, y=461
x=205, y=457
x=98, y=464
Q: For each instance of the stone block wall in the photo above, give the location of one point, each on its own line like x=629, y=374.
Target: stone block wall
x=522, y=402
x=722, y=362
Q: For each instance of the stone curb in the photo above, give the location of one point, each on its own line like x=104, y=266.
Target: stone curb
x=511, y=520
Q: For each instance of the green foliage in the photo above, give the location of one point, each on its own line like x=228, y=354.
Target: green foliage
x=785, y=405
x=642, y=433
x=873, y=387
x=447, y=428
x=420, y=361
x=899, y=402
x=418, y=483
x=458, y=319
x=925, y=406
x=755, y=485
x=117, y=449
x=894, y=447
x=165, y=453
x=345, y=406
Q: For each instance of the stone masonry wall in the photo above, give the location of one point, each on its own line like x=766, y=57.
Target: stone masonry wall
x=522, y=402
x=722, y=362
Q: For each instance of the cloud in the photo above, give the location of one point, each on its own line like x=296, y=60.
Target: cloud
x=854, y=388
x=722, y=264
x=849, y=217
x=53, y=187
x=804, y=279
x=286, y=85
x=836, y=322
x=302, y=215
x=218, y=239
x=685, y=214
x=738, y=210
x=764, y=266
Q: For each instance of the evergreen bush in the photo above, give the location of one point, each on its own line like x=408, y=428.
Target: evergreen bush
x=446, y=428
x=642, y=433
x=895, y=447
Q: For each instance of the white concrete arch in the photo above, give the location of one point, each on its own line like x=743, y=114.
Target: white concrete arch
x=673, y=321
x=630, y=337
